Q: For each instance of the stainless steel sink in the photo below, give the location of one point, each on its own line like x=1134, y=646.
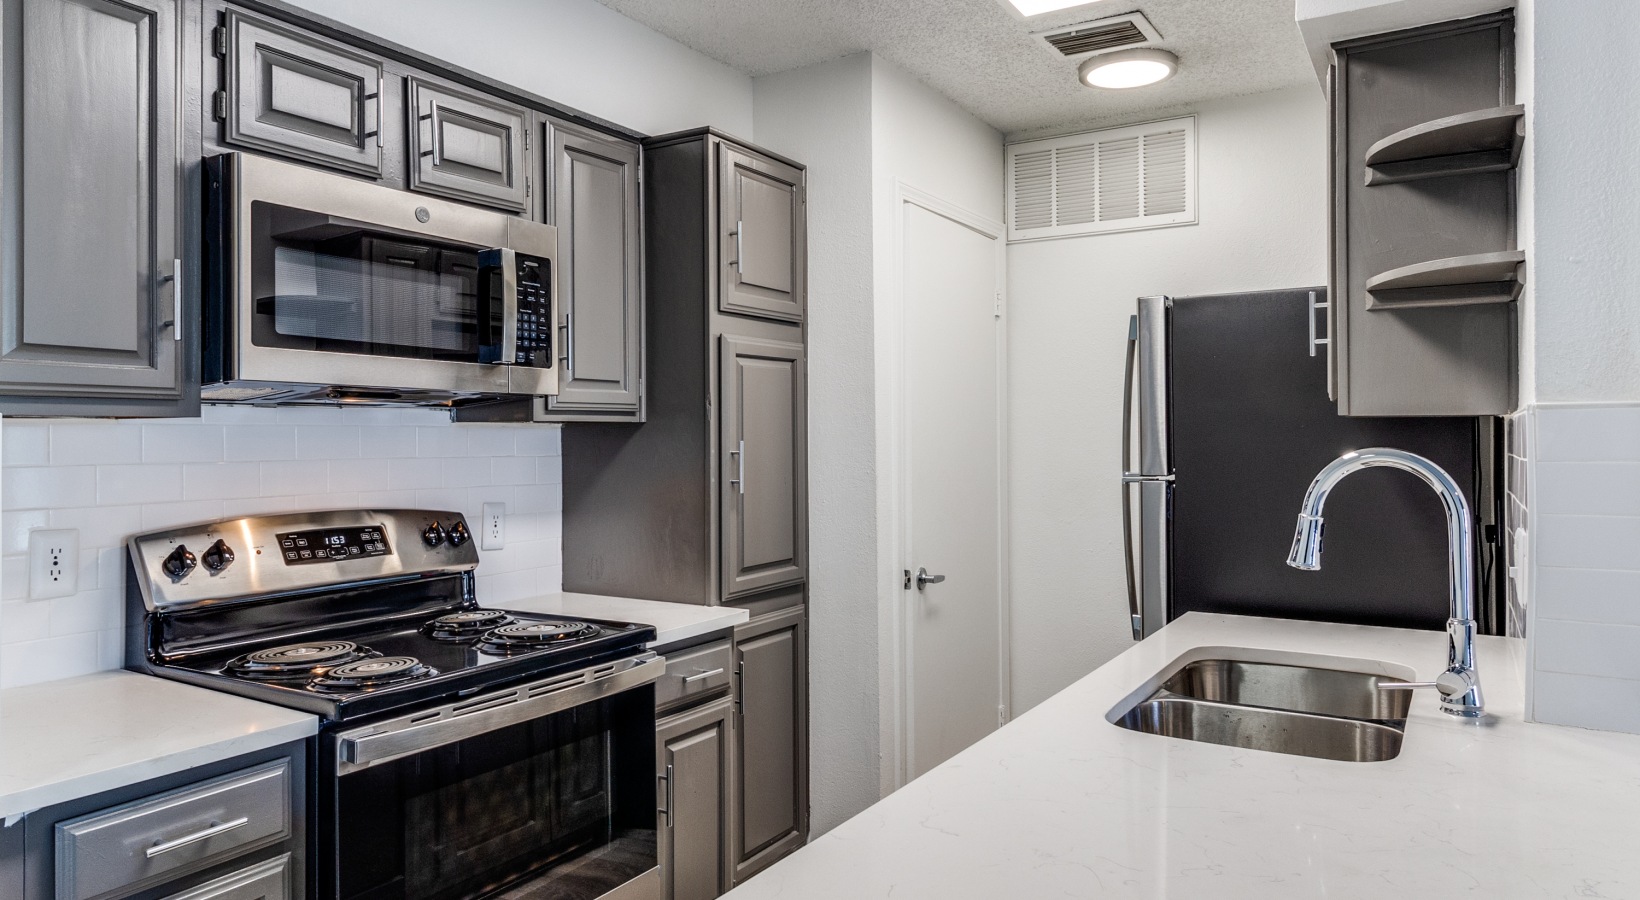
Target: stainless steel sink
x=1299, y=734
x=1327, y=692
x=1282, y=708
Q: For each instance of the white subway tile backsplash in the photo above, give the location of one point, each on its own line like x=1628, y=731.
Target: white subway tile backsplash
x=1587, y=542
x=1609, y=596
x=1589, y=488
x=1588, y=433
x=182, y=443
x=110, y=479
x=95, y=443
x=1585, y=701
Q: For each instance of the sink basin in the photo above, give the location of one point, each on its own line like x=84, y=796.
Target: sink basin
x=1251, y=728
x=1281, y=707
x=1328, y=692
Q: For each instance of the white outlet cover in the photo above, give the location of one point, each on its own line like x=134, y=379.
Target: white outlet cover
x=492, y=529
x=53, y=563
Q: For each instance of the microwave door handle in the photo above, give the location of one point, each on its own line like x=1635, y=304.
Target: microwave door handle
x=509, y=307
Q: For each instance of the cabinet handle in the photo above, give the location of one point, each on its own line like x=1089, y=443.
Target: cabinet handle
x=691, y=679
x=740, y=691
x=740, y=246
x=196, y=837
x=739, y=481
x=666, y=795
x=1318, y=341
x=175, y=280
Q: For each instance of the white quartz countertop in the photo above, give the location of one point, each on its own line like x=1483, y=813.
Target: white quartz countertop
x=79, y=736
x=1062, y=803
x=673, y=622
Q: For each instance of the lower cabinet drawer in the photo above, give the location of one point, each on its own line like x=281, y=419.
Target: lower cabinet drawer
x=269, y=880
x=109, y=853
x=695, y=672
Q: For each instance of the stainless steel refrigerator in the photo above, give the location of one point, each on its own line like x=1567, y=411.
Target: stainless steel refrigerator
x=1226, y=420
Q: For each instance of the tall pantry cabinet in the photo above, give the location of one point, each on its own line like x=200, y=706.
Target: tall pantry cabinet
x=707, y=502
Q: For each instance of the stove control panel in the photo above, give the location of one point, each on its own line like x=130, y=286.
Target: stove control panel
x=253, y=557
x=299, y=548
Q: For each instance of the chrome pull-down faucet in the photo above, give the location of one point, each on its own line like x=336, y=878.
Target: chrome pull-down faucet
x=1460, y=684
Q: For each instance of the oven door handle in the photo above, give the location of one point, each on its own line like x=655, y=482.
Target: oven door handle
x=373, y=744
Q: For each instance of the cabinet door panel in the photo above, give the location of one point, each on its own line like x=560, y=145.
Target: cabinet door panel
x=466, y=147
x=91, y=196
x=270, y=880
x=763, y=521
x=301, y=96
x=694, y=756
x=771, y=797
x=595, y=206
x=760, y=236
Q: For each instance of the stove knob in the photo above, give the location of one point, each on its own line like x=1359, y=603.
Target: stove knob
x=218, y=557
x=433, y=535
x=179, y=563
x=459, y=534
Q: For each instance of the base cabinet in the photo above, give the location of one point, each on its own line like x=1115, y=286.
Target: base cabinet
x=771, y=813
x=693, y=750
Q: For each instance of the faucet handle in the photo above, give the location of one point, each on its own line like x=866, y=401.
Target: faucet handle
x=1460, y=691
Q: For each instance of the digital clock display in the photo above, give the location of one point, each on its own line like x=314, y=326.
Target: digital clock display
x=333, y=544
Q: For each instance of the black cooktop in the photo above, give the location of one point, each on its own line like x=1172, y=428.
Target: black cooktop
x=346, y=673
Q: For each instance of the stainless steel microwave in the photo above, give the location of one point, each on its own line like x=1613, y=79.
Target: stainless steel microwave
x=321, y=288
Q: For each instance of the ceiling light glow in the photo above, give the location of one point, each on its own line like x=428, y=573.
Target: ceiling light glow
x=1030, y=8
x=1128, y=68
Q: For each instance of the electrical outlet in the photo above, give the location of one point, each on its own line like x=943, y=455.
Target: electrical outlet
x=53, y=562
x=493, y=533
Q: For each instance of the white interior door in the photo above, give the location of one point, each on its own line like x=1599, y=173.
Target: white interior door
x=951, y=475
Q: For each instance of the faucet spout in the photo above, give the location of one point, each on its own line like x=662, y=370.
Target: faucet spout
x=1460, y=683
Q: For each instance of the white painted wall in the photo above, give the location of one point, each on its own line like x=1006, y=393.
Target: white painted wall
x=821, y=115
x=575, y=52
x=1262, y=204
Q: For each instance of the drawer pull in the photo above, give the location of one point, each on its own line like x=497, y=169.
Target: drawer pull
x=690, y=679
x=201, y=835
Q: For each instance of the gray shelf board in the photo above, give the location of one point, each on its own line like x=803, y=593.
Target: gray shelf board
x=1486, y=140
x=1455, y=281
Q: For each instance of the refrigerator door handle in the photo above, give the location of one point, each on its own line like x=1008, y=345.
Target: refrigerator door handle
x=1135, y=614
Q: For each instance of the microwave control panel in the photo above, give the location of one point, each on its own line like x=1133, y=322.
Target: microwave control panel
x=534, y=312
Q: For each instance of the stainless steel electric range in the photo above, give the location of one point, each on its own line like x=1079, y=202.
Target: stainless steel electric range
x=464, y=751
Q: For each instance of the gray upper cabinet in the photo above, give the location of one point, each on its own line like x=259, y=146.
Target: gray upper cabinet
x=596, y=208
x=771, y=815
x=1423, y=261
x=693, y=753
x=298, y=95
x=761, y=266
x=764, y=467
x=466, y=146
x=91, y=246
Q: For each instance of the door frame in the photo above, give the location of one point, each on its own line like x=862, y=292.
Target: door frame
x=894, y=506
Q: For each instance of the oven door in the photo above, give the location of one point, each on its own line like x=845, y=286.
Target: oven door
x=547, y=789
x=336, y=281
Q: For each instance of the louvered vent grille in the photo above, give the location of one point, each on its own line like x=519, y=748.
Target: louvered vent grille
x=1121, y=179
x=1092, y=40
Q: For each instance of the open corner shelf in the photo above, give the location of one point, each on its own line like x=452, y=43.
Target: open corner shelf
x=1454, y=281
x=1486, y=140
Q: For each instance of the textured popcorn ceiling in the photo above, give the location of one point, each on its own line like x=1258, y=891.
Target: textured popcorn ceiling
x=979, y=54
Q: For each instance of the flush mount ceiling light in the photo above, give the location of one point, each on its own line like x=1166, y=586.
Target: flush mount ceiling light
x=1128, y=68
x=1028, y=8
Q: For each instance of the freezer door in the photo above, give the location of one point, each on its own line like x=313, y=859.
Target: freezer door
x=1147, y=508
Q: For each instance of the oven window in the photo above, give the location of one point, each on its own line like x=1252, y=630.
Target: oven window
x=561, y=806
x=323, y=283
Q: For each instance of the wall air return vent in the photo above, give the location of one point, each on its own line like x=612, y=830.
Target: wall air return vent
x=1114, y=33
x=1118, y=179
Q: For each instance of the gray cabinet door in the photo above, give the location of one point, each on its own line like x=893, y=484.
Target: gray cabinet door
x=90, y=235
x=693, y=754
x=269, y=880
x=595, y=206
x=297, y=95
x=763, y=466
x=761, y=267
x=771, y=798
x=466, y=146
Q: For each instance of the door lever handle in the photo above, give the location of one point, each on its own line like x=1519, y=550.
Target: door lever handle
x=924, y=579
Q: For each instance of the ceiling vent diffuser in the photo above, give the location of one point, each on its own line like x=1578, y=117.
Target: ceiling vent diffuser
x=1115, y=33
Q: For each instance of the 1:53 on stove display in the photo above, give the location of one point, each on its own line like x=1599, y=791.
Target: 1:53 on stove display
x=332, y=544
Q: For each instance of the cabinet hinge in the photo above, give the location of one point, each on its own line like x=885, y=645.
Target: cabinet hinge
x=527, y=188
x=219, y=105
x=526, y=140
x=1002, y=716
x=997, y=310
x=219, y=41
